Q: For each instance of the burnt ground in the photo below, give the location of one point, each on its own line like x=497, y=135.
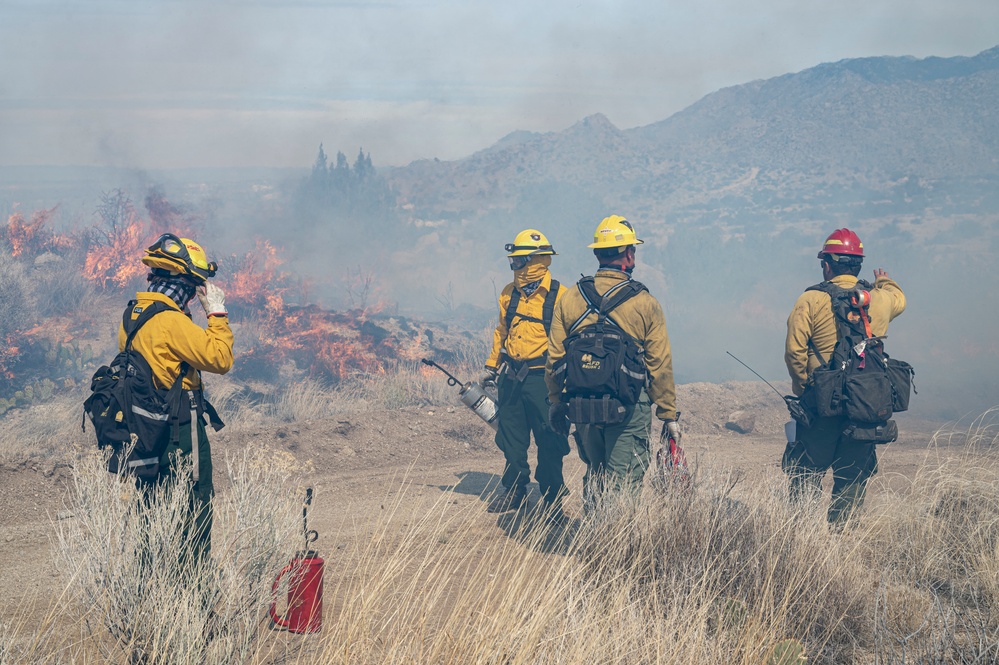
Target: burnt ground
x=361, y=461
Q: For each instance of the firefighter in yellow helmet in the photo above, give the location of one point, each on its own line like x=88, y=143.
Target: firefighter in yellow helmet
x=517, y=365
x=606, y=382
x=179, y=272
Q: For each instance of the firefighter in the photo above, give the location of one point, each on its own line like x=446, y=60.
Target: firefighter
x=179, y=272
x=516, y=366
x=616, y=455
x=811, y=330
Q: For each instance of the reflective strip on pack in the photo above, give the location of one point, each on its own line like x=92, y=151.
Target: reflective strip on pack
x=149, y=414
x=143, y=462
x=634, y=375
x=195, y=444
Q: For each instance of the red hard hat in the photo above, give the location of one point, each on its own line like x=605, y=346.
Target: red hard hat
x=843, y=241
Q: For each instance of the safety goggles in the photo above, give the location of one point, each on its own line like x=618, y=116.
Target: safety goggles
x=535, y=249
x=171, y=246
x=518, y=262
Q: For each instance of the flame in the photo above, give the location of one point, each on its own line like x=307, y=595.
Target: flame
x=257, y=284
x=324, y=344
x=8, y=354
x=34, y=238
x=115, y=262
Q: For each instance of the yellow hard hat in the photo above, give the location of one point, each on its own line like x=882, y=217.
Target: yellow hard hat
x=614, y=231
x=529, y=242
x=180, y=255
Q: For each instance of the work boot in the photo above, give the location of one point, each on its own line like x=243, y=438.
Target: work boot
x=554, y=517
x=511, y=499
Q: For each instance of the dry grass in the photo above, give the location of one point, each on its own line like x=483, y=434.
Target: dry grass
x=45, y=434
x=129, y=580
x=411, y=385
x=729, y=573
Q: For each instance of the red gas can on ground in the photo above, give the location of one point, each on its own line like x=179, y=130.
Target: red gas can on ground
x=305, y=594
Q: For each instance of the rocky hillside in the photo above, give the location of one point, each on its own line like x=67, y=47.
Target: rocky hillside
x=873, y=121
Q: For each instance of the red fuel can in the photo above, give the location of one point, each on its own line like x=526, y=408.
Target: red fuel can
x=305, y=594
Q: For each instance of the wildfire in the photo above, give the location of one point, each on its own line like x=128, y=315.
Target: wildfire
x=115, y=262
x=257, y=284
x=275, y=336
x=33, y=238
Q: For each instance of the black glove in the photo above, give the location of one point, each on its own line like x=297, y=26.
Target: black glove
x=558, y=418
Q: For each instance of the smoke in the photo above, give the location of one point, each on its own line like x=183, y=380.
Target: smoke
x=186, y=83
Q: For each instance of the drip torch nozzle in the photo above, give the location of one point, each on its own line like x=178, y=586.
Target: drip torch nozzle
x=311, y=535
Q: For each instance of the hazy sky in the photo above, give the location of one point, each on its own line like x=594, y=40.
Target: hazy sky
x=173, y=83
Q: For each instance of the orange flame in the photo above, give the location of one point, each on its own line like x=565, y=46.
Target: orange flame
x=34, y=238
x=117, y=263
x=256, y=284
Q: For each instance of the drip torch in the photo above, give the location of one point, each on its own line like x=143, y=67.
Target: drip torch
x=472, y=395
x=305, y=586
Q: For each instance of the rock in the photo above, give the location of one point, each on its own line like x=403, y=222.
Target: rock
x=742, y=422
x=47, y=257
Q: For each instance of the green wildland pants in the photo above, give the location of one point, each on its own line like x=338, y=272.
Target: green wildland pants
x=523, y=409
x=821, y=447
x=198, y=527
x=617, y=456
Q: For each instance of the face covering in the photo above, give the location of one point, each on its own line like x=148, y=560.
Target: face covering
x=534, y=271
x=178, y=289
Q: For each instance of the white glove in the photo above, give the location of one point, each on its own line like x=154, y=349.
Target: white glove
x=213, y=300
x=673, y=428
x=488, y=379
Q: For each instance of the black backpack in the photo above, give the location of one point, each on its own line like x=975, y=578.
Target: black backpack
x=860, y=381
x=603, y=371
x=130, y=414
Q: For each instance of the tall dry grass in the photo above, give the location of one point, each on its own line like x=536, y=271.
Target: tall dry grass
x=130, y=579
x=44, y=435
x=728, y=573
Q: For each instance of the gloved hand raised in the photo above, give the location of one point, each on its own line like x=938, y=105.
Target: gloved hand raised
x=213, y=300
x=558, y=418
x=488, y=378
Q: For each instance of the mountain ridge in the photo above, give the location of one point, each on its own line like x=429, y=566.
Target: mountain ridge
x=870, y=118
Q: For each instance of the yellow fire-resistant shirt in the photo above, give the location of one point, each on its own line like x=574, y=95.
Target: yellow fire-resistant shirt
x=641, y=317
x=525, y=340
x=812, y=319
x=170, y=338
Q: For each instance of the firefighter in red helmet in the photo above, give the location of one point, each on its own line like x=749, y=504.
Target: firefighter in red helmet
x=812, y=333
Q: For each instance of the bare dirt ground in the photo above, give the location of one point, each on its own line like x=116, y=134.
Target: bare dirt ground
x=361, y=462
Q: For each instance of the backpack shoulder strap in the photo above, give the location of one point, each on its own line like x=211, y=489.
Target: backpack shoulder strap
x=511, y=307
x=590, y=297
x=548, y=309
x=826, y=287
x=619, y=294
x=132, y=326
